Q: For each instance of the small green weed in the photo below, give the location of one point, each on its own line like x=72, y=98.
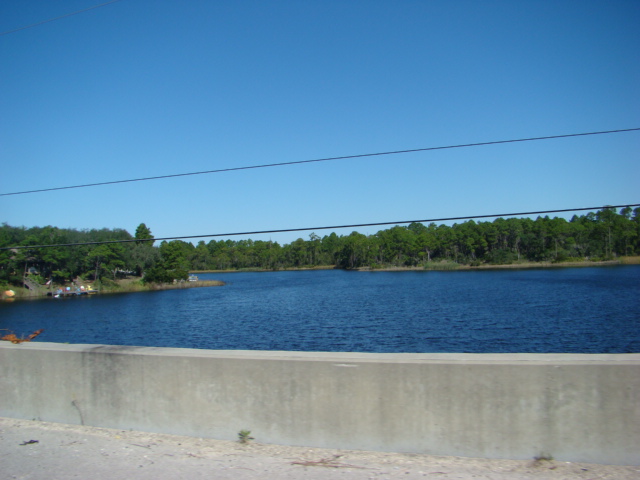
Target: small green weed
x=244, y=436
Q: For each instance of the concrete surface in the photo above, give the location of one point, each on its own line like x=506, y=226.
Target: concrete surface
x=48, y=451
x=579, y=408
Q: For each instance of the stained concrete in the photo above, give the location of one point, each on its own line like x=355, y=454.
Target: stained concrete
x=580, y=408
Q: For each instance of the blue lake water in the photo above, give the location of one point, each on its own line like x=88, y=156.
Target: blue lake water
x=589, y=310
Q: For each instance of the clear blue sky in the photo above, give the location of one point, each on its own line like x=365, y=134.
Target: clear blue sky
x=143, y=88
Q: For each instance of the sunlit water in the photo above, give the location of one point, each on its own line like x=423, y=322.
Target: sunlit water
x=590, y=310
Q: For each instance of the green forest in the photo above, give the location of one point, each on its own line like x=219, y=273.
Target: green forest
x=603, y=235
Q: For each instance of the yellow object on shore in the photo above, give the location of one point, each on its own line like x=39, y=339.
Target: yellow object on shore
x=9, y=293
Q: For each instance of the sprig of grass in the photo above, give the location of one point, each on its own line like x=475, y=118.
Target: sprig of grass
x=244, y=436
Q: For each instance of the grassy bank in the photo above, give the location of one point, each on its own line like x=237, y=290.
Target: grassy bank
x=449, y=265
x=446, y=265
x=630, y=260
x=126, y=285
x=292, y=269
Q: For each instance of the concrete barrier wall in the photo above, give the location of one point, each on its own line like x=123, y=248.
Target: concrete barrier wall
x=573, y=407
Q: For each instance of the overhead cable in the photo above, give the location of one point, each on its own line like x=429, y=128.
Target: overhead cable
x=345, y=157
x=334, y=227
x=57, y=18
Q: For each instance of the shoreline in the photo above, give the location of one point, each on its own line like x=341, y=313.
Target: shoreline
x=132, y=285
x=511, y=266
x=125, y=286
x=449, y=266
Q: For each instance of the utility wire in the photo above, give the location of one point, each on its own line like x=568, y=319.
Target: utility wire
x=335, y=227
x=57, y=18
x=497, y=142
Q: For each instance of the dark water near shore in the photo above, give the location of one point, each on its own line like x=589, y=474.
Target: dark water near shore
x=588, y=310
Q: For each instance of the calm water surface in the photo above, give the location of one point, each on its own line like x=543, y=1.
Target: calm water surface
x=591, y=310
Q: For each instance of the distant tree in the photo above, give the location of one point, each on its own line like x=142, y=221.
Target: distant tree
x=354, y=252
x=330, y=248
x=109, y=257
x=605, y=229
x=143, y=233
x=173, y=263
x=200, y=257
x=314, y=247
x=142, y=257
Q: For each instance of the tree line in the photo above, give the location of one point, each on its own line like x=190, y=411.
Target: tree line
x=601, y=235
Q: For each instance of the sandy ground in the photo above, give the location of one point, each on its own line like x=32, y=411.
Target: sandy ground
x=51, y=451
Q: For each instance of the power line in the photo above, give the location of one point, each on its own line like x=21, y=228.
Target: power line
x=57, y=18
x=334, y=227
x=299, y=162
